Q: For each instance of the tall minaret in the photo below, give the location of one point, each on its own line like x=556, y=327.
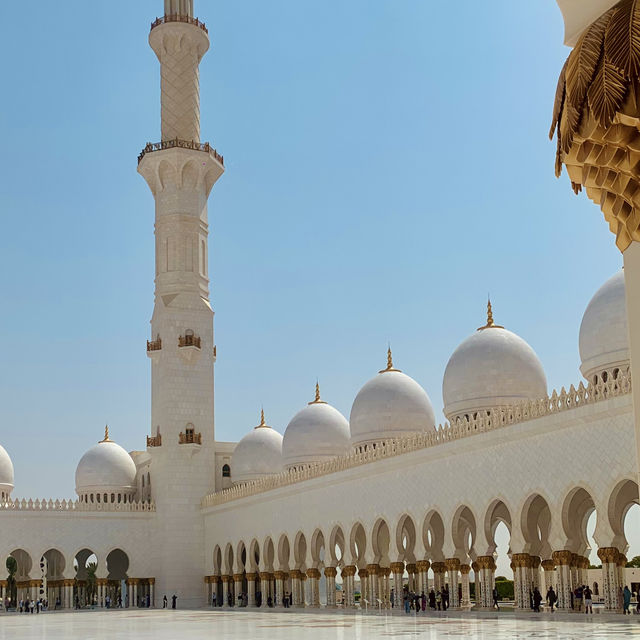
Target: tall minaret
x=180, y=171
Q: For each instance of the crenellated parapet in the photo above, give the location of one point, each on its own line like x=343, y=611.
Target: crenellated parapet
x=482, y=422
x=75, y=506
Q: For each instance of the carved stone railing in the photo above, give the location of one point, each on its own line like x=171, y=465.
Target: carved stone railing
x=176, y=143
x=485, y=421
x=154, y=345
x=190, y=438
x=154, y=441
x=75, y=505
x=179, y=18
x=189, y=341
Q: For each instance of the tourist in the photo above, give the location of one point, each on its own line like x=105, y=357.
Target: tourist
x=392, y=598
x=626, y=600
x=495, y=598
x=407, y=602
x=432, y=599
x=164, y=601
x=423, y=601
x=552, y=598
x=577, y=598
x=213, y=600
x=174, y=599
x=439, y=599
x=56, y=606
x=31, y=606
x=588, y=600
x=285, y=600
x=537, y=599
x=445, y=597
x=416, y=602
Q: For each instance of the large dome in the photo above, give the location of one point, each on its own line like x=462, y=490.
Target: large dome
x=391, y=405
x=493, y=367
x=106, y=468
x=258, y=454
x=315, y=434
x=6, y=474
x=604, y=345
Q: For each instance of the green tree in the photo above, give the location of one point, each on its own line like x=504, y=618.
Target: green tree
x=634, y=563
x=92, y=567
x=12, y=587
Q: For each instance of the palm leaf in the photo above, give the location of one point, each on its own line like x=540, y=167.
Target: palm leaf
x=622, y=38
x=606, y=93
x=559, y=101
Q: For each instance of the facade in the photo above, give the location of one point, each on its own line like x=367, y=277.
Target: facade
x=383, y=498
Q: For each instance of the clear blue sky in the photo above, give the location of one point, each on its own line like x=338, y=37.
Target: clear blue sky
x=387, y=166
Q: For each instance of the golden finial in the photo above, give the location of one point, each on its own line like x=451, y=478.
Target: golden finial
x=262, y=422
x=389, y=362
x=317, y=398
x=106, y=434
x=490, y=323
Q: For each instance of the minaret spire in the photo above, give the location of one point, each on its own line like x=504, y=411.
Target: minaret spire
x=317, y=399
x=389, y=362
x=490, y=323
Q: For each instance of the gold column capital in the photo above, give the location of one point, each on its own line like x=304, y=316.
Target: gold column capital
x=411, y=568
x=465, y=569
x=330, y=572
x=397, y=567
x=423, y=565
x=562, y=558
x=452, y=564
x=548, y=565
x=372, y=569
x=608, y=554
x=348, y=571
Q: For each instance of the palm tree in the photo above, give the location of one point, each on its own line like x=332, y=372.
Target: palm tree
x=92, y=567
x=12, y=568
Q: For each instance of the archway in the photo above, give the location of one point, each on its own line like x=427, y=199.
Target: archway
x=53, y=565
x=85, y=591
x=336, y=550
x=217, y=571
x=18, y=566
x=318, y=562
x=497, y=531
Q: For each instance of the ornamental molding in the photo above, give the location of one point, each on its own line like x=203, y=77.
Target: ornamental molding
x=76, y=506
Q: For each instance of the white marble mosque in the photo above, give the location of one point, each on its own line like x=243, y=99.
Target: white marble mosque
x=331, y=501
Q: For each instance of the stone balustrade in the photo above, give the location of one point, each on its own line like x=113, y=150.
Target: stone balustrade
x=74, y=505
x=484, y=421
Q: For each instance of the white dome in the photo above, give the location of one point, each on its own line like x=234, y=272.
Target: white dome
x=6, y=472
x=493, y=367
x=603, y=340
x=316, y=433
x=391, y=405
x=106, y=467
x=258, y=454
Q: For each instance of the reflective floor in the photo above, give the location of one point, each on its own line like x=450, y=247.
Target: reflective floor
x=243, y=625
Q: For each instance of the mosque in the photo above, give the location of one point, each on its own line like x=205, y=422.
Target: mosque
x=331, y=502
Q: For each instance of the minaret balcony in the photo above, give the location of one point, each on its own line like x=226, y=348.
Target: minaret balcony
x=189, y=347
x=176, y=17
x=154, y=441
x=176, y=143
x=190, y=437
x=154, y=347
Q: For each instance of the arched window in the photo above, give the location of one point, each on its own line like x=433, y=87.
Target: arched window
x=226, y=471
x=113, y=497
x=98, y=497
x=148, y=479
x=143, y=480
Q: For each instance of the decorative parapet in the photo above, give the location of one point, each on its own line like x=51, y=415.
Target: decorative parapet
x=489, y=420
x=75, y=505
x=190, y=438
x=154, y=441
x=179, y=18
x=189, y=341
x=154, y=345
x=176, y=143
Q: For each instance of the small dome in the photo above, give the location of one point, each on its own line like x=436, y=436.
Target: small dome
x=604, y=343
x=6, y=473
x=258, y=454
x=315, y=434
x=106, y=467
x=390, y=405
x=491, y=368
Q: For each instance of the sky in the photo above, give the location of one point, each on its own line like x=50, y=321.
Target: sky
x=387, y=166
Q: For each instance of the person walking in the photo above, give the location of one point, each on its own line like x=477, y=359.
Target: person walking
x=174, y=599
x=495, y=598
x=406, y=601
x=423, y=601
x=439, y=600
x=626, y=600
x=432, y=599
x=537, y=599
x=164, y=601
x=588, y=600
x=445, y=598
x=577, y=594
x=552, y=598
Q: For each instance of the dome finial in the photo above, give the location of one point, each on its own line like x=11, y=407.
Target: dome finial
x=262, y=422
x=490, y=323
x=106, y=434
x=317, y=399
x=389, y=362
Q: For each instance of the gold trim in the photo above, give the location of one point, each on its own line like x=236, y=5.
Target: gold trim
x=106, y=435
x=263, y=424
x=317, y=398
x=389, y=362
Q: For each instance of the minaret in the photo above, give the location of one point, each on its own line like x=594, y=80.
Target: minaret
x=181, y=171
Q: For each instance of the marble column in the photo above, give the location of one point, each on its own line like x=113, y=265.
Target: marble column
x=264, y=587
x=487, y=567
x=348, y=573
x=562, y=560
x=422, y=567
x=466, y=591
x=622, y=563
x=522, y=563
x=279, y=576
x=548, y=572
x=364, y=587
x=237, y=588
x=535, y=573
x=386, y=587
x=330, y=574
x=477, y=583
x=251, y=589
x=439, y=569
x=453, y=566
x=225, y=590
x=372, y=579
x=610, y=577
x=397, y=568
x=152, y=590
x=314, y=586
x=411, y=571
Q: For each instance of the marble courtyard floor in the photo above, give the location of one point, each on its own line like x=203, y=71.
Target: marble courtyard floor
x=257, y=625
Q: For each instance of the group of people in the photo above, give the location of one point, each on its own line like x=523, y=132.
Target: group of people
x=438, y=600
x=29, y=606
